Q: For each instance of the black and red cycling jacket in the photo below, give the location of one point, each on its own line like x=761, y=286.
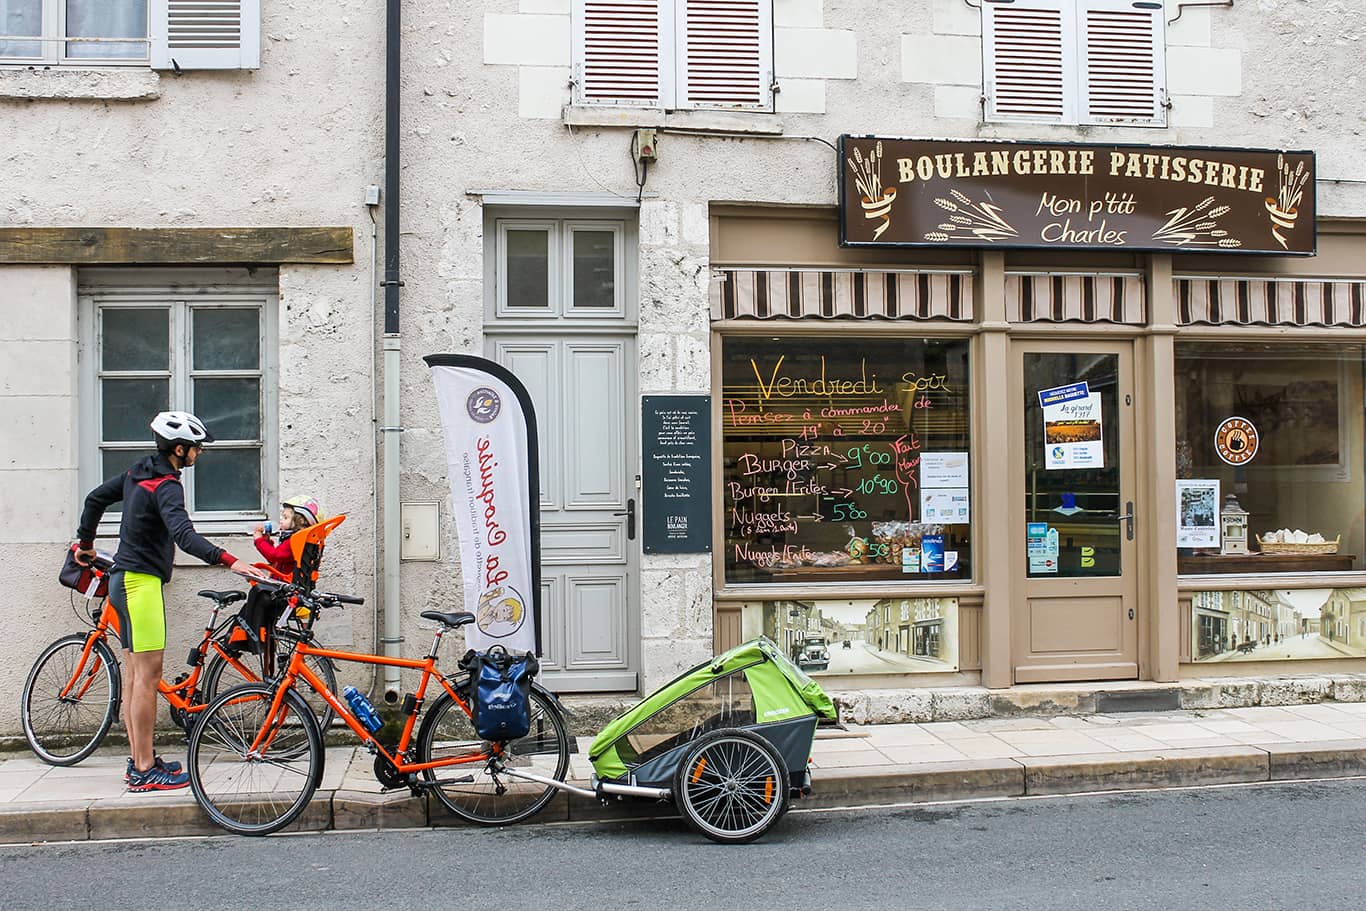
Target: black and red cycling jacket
x=154, y=519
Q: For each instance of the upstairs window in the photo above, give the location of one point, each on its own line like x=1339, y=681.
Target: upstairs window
x=674, y=54
x=1075, y=61
x=167, y=34
x=77, y=31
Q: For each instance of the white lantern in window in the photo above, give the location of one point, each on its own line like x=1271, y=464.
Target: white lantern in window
x=1233, y=527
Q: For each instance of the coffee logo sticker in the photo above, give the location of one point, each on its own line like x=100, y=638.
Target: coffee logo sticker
x=1236, y=441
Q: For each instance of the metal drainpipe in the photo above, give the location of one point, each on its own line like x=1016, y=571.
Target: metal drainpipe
x=391, y=429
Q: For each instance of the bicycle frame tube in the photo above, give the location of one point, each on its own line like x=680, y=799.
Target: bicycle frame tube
x=299, y=670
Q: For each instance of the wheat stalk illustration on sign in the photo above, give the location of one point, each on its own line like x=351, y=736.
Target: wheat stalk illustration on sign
x=982, y=220
x=1284, y=208
x=875, y=198
x=1198, y=226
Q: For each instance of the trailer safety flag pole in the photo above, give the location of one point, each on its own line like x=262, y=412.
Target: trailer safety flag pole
x=490, y=427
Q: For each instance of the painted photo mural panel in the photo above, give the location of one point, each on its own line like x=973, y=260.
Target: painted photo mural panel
x=1278, y=625
x=861, y=636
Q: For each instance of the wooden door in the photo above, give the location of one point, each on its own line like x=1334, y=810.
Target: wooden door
x=1074, y=599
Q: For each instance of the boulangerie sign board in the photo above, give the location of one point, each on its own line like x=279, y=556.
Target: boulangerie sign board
x=491, y=450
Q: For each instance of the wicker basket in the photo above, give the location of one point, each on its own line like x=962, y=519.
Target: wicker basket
x=1327, y=547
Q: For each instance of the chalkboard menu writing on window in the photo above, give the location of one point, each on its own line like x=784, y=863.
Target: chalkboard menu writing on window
x=846, y=459
x=676, y=475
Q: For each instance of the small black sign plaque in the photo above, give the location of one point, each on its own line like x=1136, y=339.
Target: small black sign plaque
x=983, y=193
x=676, y=473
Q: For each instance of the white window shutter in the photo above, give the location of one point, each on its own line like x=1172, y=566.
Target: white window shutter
x=725, y=54
x=1122, y=62
x=1029, y=60
x=205, y=34
x=617, y=52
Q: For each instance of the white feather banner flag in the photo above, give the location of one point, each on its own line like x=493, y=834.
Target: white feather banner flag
x=490, y=427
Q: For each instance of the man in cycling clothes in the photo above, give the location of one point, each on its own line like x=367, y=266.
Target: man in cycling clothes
x=153, y=523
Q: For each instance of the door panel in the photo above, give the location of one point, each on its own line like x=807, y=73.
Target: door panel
x=594, y=426
x=1074, y=604
x=1058, y=627
x=594, y=605
x=583, y=387
x=537, y=366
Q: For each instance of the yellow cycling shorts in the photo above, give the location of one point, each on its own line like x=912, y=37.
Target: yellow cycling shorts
x=142, y=612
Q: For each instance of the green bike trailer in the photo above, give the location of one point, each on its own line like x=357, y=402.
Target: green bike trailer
x=730, y=740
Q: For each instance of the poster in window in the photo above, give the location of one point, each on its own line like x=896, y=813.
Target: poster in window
x=1072, y=435
x=1197, y=512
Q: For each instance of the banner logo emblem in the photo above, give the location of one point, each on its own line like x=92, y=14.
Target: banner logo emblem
x=483, y=405
x=501, y=611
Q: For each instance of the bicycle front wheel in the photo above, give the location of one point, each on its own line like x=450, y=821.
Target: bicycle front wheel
x=220, y=675
x=482, y=791
x=69, y=699
x=252, y=772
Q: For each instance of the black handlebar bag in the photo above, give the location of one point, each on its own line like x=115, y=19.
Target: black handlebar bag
x=90, y=581
x=500, y=692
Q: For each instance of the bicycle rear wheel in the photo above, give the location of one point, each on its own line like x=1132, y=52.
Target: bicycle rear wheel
x=69, y=699
x=220, y=676
x=249, y=778
x=482, y=791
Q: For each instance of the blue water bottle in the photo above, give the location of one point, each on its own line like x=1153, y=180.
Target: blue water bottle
x=268, y=528
x=364, y=711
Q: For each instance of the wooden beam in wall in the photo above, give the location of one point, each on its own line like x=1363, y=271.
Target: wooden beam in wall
x=174, y=246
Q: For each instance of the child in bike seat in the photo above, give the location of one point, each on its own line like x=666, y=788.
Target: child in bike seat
x=296, y=513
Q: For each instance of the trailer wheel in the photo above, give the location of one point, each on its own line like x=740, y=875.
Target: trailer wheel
x=732, y=786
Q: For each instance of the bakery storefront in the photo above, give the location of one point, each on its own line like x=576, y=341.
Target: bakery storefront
x=1035, y=412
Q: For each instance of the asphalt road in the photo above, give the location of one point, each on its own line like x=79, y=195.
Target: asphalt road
x=1293, y=846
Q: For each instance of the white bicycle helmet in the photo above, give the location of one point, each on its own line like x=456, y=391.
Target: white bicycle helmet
x=180, y=427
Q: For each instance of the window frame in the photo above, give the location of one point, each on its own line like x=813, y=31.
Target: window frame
x=180, y=295
x=53, y=41
x=753, y=591
x=560, y=267
x=1075, y=68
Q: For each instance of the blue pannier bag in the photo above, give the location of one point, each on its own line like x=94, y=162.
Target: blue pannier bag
x=501, y=685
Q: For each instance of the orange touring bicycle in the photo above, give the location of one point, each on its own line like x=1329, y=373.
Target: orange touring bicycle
x=73, y=693
x=256, y=754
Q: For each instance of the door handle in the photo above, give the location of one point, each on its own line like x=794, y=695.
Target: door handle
x=1128, y=520
x=630, y=515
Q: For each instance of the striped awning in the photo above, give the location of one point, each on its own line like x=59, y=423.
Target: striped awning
x=1270, y=302
x=1057, y=297
x=772, y=293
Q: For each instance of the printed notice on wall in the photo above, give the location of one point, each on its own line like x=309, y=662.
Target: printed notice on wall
x=1072, y=436
x=944, y=488
x=676, y=473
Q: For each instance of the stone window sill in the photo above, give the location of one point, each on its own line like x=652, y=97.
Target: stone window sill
x=756, y=123
x=122, y=83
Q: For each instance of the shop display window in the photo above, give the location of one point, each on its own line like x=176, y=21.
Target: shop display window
x=1269, y=458
x=846, y=459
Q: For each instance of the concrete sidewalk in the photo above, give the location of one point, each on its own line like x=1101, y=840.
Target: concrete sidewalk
x=853, y=765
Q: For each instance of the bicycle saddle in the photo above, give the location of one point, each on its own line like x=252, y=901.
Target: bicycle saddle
x=457, y=618
x=222, y=597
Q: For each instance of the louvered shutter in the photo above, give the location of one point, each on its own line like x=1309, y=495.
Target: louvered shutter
x=205, y=34
x=1029, y=60
x=725, y=54
x=1122, y=62
x=617, y=52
